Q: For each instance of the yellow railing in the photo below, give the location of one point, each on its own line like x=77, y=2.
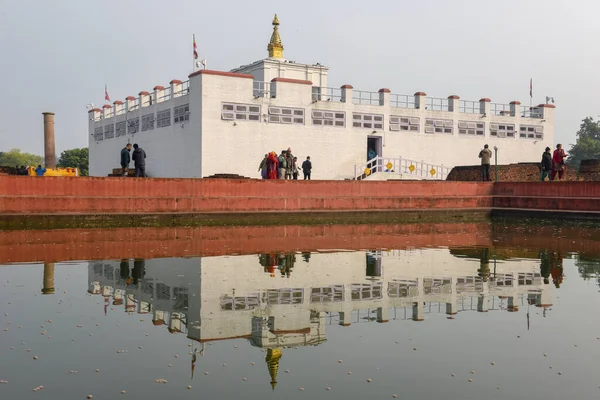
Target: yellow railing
x=55, y=172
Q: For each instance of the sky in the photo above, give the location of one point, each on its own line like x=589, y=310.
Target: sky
x=58, y=55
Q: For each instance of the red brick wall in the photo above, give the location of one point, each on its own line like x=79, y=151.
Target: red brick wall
x=121, y=195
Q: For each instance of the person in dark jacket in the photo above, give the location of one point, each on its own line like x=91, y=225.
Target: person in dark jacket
x=546, y=164
x=139, y=158
x=307, y=168
x=125, y=159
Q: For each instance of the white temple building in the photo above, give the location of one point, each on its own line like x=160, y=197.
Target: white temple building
x=224, y=122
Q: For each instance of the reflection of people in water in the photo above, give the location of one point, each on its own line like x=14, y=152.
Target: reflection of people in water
x=282, y=262
x=124, y=271
x=139, y=270
x=545, y=265
x=556, y=262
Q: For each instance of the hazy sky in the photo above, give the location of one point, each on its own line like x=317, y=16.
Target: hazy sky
x=57, y=55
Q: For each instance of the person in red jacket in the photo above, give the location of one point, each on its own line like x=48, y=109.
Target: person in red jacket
x=558, y=162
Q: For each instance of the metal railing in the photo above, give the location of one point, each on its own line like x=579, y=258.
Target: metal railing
x=410, y=168
x=331, y=94
x=436, y=104
x=531, y=112
x=364, y=97
x=402, y=100
x=261, y=89
x=469, y=107
x=166, y=95
x=500, y=109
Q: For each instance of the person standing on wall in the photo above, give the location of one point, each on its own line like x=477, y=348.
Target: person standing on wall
x=125, y=159
x=295, y=169
x=546, y=164
x=262, y=168
x=486, y=156
x=289, y=164
x=558, y=160
x=139, y=158
x=307, y=168
x=282, y=165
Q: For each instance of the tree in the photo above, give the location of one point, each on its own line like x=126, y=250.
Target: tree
x=15, y=157
x=588, y=143
x=75, y=158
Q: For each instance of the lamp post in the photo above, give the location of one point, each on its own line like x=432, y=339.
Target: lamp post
x=496, y=158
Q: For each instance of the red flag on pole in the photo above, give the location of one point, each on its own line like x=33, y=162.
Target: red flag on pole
x=531, y=87
x=106, y=96
x=195, y=49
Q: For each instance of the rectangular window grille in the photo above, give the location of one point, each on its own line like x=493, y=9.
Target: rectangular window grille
x=531, y=132
x=365, y=291
x=331, y=294
x=121, y=129
x=163, y=118
x=316, y=93
x=99, y=133
x=109, y=131
x=369, y=121
x=133, y=125
x=502, y=130
x=471, y=128
x=284, y=115
x=403, y=288
x=181, y=114
x=147, y=122
x=240, y=112
x=285, y=296
x=439, y=126
x=407, y=124
x=328, y=118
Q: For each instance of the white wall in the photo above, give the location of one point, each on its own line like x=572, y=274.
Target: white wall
x=268, y=69
x=173, y=151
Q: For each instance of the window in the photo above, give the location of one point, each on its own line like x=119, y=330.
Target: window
x=471, y=128
x=283, y=115
x=109, y=131
x=398, y=123
x=121, y=129
x=369, y=121
x=147, y=122
x=531, y=132
x=502, y=130
x=329, y=118
x=439, y=126
x=240, y=112
x=181, y=114
x=163, y=118
x=133, y=125
x=99, y=133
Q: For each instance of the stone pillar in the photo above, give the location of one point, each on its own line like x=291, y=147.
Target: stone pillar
x=482, y=303
x=95, y=115
x=345, y=318
x=515, y=108
x=418, y=312
x=144, y=99
x=130, y=103
x=346, y=94
x=49, y=150
x=547, y=111
x=484, y=106
x=384, y=97
x=512, y=307
x=176, y=86
x=383, y=315
x=451, y=308
x=420, y=101
x=119, y=109
x=159, y=93
x=453, y=103
x=48, y=279
x=106, y=111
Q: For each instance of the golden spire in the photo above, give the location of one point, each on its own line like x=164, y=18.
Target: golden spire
x=273, y=356
x=275, y=46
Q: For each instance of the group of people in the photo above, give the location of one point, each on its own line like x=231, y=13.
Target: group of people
x=284, y=166
x=138, y=157
x=24, y=171
x=553, y=164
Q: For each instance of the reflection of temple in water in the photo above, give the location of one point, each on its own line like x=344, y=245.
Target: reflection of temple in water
x=220, y=298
